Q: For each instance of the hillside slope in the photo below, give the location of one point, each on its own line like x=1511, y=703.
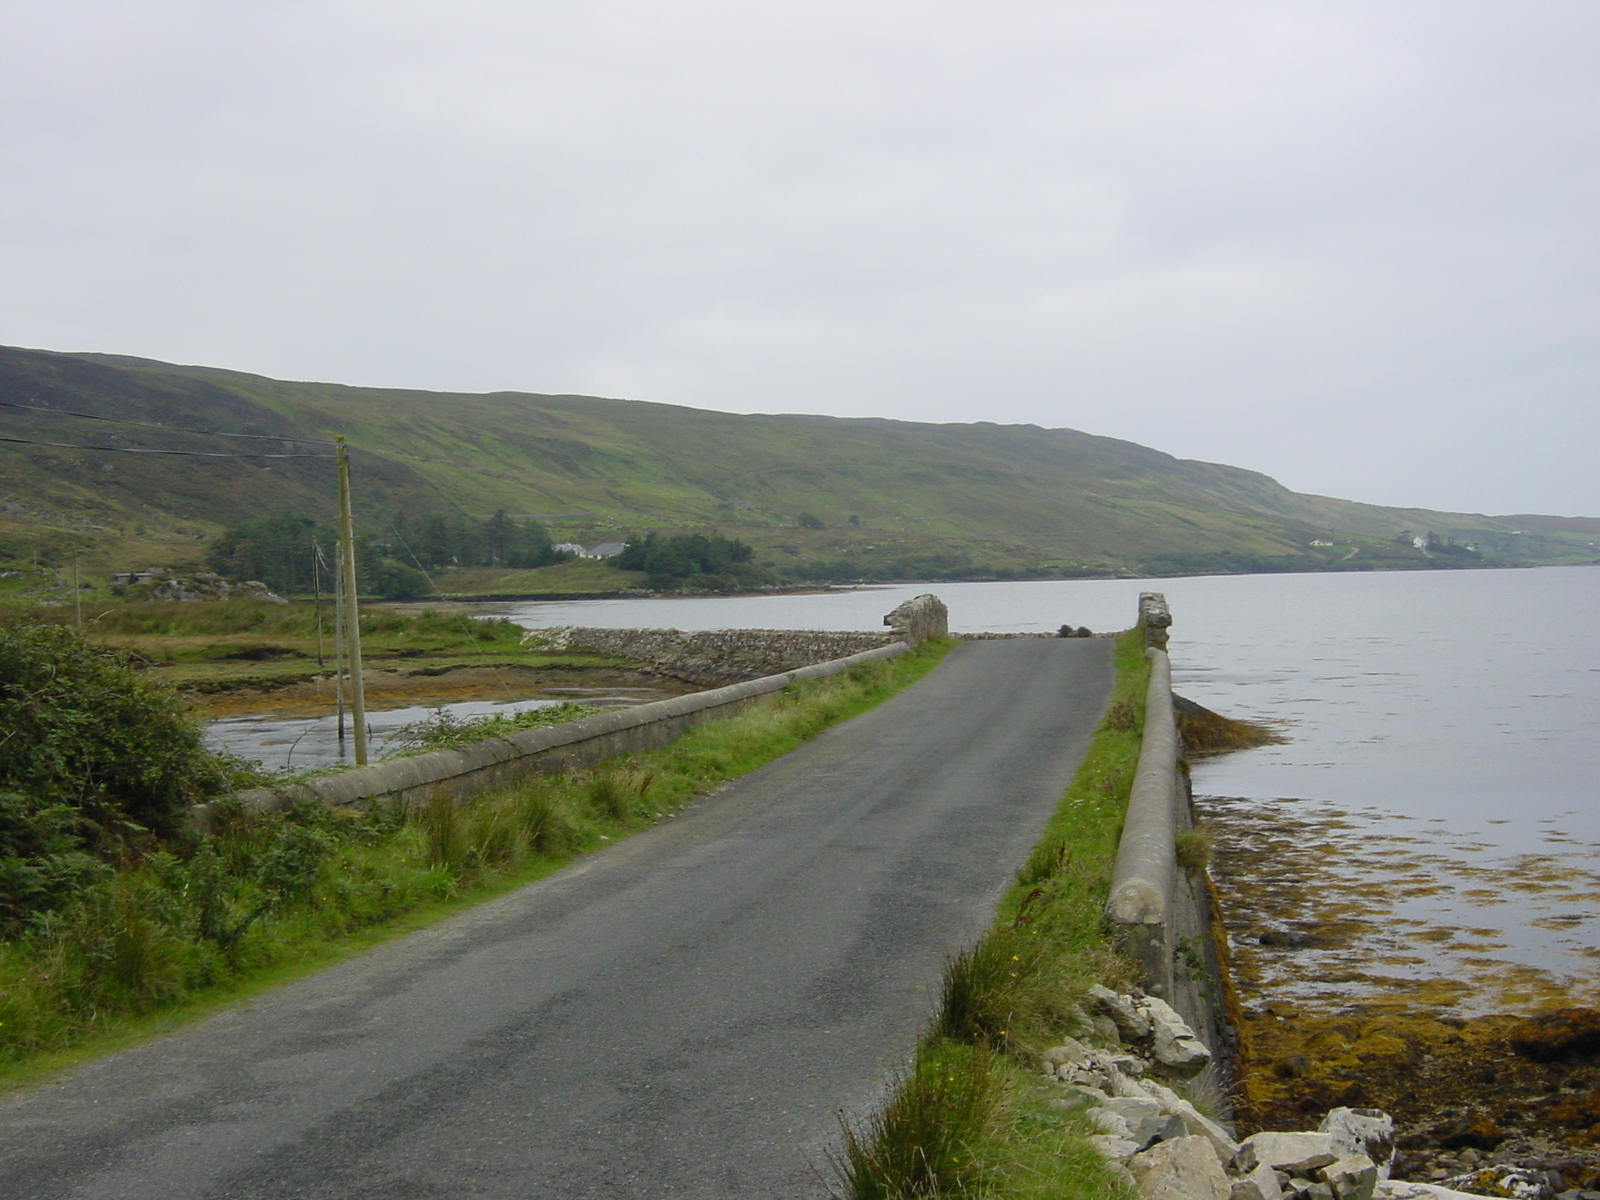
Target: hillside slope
x=897, y=498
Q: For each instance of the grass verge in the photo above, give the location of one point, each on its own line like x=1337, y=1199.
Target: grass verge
x=972, y=1117
x=176, y=930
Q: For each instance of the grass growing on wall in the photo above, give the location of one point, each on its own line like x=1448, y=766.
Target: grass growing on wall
x=972, y=1117
x=177, y=927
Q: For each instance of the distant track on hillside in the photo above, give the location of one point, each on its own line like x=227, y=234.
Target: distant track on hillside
x=682, y=1015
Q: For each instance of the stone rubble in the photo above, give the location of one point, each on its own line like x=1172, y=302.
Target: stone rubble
x=1167, y=1149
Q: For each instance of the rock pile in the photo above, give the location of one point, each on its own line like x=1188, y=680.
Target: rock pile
x=160, y=584
x=1122, y=1075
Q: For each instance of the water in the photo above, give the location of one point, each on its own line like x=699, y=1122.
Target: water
x=299, y=743
x=1433, y=812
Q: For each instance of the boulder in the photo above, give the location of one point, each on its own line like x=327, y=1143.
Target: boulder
x=1183, y=1168
x=1353, y=1178
x=1197, y=1124
x=1132, y=1025
x=1070, y=1051
x=1135, y=1110
x=1107, y=1121
x=1113, y=1148
x=1177, y=1048
x=1295, y=1153
x=1159, y=1129
x=1259, y=1184
x=1368, y=1131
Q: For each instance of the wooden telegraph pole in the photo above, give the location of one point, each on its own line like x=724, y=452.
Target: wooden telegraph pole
x=352, y=622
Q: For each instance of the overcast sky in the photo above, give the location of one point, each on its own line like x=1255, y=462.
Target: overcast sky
x=1350, y=244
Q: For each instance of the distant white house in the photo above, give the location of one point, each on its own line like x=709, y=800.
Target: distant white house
x=605, y=550
x=568, y=548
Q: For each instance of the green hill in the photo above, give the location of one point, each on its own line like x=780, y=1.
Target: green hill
x=895, y=499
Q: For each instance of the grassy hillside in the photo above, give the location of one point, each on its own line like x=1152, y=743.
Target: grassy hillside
x=897, y=499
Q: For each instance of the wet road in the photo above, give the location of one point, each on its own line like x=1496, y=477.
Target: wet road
x=682, y=1015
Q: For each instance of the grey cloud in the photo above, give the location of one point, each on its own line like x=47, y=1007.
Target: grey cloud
x=1350, y=244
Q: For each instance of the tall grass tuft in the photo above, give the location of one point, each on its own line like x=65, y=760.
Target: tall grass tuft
x=928, y=1141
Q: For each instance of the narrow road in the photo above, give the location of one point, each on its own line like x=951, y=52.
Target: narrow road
x=682, y=1015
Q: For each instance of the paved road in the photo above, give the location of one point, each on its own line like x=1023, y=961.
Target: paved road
x=682, y=1015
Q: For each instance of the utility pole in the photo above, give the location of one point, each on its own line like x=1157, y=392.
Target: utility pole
x=352, y=622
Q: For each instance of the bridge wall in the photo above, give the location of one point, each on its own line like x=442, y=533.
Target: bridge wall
x=1165, y=916
x=459, y=774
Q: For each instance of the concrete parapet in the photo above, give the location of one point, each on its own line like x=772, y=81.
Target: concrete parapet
x=1143, y=881
x=918, y=619
x=461, y=773
x=1154, y=618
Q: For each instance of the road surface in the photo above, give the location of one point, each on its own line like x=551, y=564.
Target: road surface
x=681, y=1015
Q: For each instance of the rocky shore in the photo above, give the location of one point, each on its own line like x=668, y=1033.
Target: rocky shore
x=1145, y=1080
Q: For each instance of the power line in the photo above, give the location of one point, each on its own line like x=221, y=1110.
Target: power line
x=138, y=450
x=67, y=412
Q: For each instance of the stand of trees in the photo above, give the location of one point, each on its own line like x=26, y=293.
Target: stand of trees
x=282, y=552
x=693, y=560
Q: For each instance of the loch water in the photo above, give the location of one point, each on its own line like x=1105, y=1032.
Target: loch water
x=1433, y=814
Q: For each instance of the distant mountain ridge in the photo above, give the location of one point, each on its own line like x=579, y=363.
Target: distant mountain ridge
x=895, y=499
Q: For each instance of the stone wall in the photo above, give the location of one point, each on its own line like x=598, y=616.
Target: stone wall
x=918, y=619
x=714, y=657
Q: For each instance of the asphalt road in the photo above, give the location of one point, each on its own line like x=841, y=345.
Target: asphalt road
x=682, y=1015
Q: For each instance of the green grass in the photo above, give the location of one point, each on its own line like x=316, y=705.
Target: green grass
x=1010, y=997
x=175, y=930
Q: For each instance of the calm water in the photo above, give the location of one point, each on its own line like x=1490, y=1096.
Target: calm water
x=1443, y=762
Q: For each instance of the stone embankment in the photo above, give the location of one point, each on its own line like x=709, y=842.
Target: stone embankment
x=717, y=657
x=1126, y=1066
x=713, y=657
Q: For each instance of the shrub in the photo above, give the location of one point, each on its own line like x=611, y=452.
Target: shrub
x=85, y=733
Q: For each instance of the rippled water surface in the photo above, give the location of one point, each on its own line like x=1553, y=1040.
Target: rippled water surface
x=1435, y=804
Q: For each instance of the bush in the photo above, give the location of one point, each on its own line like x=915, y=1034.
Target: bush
x=93, y=754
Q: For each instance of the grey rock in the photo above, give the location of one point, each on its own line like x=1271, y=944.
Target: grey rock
x=1088, y=1095
x=1352, y=1178
x=1134, y=1109
x=1159, y=1129
x=1368, y=1131
x=1177, y=1048
x=1069, y=1052
x=1131, y=1024
x=1180, y=1169
x=1200, y=1125
x=1296, y=1153
x=1260, y=1184
x=1107, y=1121
x=1405, y=1189
x=1106, y=1028
x=1113, y=1148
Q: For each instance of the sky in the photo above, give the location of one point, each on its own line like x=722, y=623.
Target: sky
x=1349, y=244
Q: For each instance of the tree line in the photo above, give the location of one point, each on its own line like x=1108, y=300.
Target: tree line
x=296, y=555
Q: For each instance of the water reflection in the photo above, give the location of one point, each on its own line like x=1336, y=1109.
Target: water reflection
x=299, y=743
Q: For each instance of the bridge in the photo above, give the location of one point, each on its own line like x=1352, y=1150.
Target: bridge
x=684, y=1014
